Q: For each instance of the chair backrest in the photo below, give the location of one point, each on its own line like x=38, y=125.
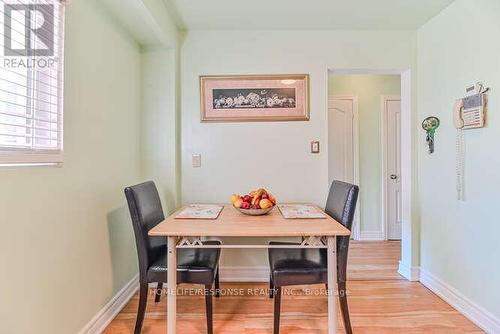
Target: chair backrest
x=341, y=206
x=146, y=212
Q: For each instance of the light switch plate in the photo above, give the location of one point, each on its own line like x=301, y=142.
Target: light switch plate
x=196, y=160
x=315, y=147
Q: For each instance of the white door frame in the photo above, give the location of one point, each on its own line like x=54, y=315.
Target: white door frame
x=355, y=141
x=409, y=241
x=384, y=176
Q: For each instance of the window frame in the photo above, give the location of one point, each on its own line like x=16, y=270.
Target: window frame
x=33, y=156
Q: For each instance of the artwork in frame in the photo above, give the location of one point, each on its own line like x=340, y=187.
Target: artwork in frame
x=240, y=98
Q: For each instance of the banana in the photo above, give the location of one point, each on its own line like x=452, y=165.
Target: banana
x=257, y=195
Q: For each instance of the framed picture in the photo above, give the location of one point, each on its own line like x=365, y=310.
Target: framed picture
x=243, y=98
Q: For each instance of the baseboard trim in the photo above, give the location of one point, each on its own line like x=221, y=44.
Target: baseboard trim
x=475, y=313
x=244, y=274
x=102, y=319
x=410, y=273
x=372, y=236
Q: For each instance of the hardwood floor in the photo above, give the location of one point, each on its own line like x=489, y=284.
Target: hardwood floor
x=374, y=260
x=380, y=301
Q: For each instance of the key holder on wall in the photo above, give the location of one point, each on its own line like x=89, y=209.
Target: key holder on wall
x=430, y=124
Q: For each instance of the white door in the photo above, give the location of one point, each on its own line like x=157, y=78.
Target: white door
x=392, y=113
x=342, y=145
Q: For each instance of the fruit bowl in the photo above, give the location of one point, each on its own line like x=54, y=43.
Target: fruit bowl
x=255, y=212
x=255, y=203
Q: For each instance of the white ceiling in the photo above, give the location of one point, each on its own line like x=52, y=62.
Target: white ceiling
x=304, y=14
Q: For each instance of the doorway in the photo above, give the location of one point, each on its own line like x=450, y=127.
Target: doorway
x=380, y=154
x=343, y=145
x=391, y=166
x=358, y=130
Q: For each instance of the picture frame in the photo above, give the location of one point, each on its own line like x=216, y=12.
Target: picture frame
x=254, y=98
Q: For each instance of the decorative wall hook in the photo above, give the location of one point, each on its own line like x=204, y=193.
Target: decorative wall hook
x=430, y=124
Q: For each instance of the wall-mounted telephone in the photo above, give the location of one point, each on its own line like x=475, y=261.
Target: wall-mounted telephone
x=468, y=113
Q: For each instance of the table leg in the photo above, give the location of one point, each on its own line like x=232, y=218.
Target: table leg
x=332, y=284
x=172, y=285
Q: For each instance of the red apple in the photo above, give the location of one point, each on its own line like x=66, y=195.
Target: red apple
x=256, y=206
x=264, y=196
x=245, y=205
x=247, y=199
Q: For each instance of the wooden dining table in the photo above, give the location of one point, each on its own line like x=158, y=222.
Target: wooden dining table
x=188, y=233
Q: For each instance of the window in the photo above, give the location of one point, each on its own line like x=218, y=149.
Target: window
x=31, y=81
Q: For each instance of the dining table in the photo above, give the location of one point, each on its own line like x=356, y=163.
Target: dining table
x=189, y=233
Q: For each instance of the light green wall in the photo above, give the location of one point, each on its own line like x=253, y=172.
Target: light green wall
x=159, y=124
x=66, y=245
x=160, y=107
x=237, y=157
x=368, y=89
x=459, y=240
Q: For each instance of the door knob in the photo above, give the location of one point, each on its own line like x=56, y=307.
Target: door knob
x=394, y=176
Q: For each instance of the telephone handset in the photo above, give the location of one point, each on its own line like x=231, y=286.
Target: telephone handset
x=457, y=114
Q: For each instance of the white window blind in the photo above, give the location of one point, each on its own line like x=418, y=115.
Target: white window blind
x=31, y=81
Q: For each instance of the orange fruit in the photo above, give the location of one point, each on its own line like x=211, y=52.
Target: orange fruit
x=235, y=197
x=265, y=203
x=238, y=203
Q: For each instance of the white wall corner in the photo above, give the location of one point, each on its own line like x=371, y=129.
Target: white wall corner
x=372, y=235
x=149, y=22
x=410, y=273
x=475, y=313
x=102, y=319
x=244, y=274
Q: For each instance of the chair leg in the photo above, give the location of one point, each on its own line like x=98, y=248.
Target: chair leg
x=344, y=307
x=271, y=287
x=217, y=284
x=143, y=298
x=277, y=307
x=158, y=292
x=208, y=303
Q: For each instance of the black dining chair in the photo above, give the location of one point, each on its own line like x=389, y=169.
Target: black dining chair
x=301, y=266
x=196, y=266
